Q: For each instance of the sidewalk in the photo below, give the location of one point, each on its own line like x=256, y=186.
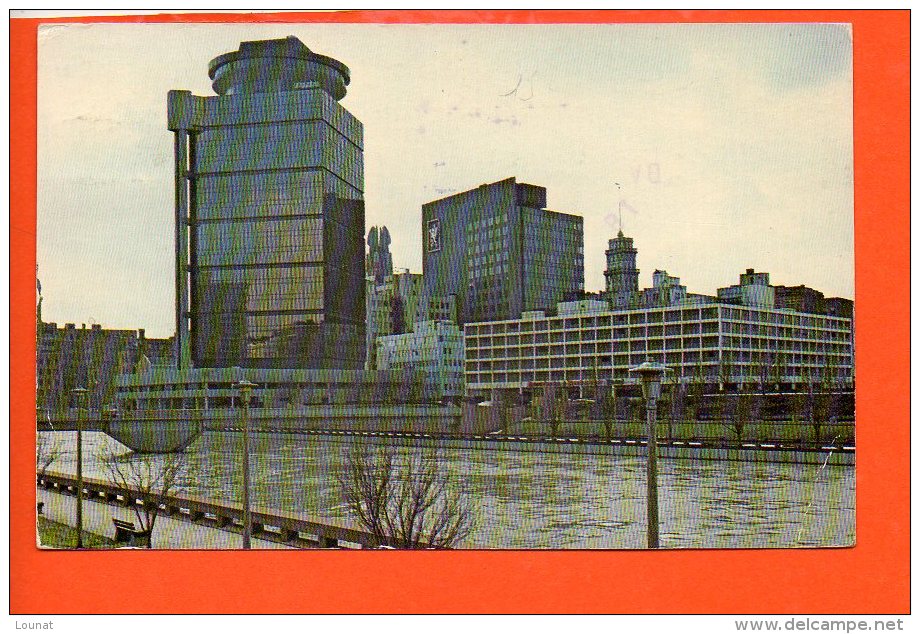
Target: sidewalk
x=168, y=532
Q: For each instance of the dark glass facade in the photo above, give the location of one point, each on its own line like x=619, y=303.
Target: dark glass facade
x=499, y=252
x=270, y=214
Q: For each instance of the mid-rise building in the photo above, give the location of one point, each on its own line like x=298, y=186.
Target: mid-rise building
x=392, y=308
x=734, y=344
x=799, y=298
x=498, y=252
x=91, y=358
x=666, y=291
x=435, y=348
x=753, y=289
x=838, y=307
x=269, y=181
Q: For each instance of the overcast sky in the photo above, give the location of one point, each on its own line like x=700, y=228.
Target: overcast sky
x=722, y=147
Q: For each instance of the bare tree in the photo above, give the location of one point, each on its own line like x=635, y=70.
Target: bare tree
x=746, y=410
x=408, y=501
x=149, y=477
x=47, y=452
x=679, y=405
x=825, y=401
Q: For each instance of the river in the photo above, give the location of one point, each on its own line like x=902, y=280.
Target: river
x=526, y=499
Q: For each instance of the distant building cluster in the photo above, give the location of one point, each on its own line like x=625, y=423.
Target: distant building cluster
x=753, y=288
x=272, y=275
x=92, y=358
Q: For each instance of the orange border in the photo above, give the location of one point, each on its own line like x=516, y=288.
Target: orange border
x=873, y=577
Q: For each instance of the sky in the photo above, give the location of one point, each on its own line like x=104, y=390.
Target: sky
x=718, y=147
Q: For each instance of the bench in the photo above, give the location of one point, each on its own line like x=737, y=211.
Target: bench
x=125, y=533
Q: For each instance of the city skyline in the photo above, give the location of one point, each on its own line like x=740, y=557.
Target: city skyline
x=727, y=146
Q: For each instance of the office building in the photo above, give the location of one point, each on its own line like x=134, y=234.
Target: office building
x=666, y=291
x=808, y=300
x=269, y=182
x=392, y=308
x=498, y=252
x=588, y=342
x=753, y=289
x=838, y=307
x=799, y=298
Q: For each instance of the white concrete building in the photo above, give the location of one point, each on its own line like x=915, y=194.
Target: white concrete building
x=739, y=343
x=435, y=347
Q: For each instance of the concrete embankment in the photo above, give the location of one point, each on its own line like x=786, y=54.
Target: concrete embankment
x=744, y=452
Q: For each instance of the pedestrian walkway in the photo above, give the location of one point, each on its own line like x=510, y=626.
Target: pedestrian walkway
x=168, y=532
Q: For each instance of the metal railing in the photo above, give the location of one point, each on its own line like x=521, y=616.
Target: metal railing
x=296, y=530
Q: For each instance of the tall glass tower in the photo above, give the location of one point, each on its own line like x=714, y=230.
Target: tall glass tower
x=269, y=188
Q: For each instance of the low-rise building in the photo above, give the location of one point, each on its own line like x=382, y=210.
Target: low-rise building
x=434, y=348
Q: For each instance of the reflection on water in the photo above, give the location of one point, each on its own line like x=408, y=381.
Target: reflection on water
x=534, y=500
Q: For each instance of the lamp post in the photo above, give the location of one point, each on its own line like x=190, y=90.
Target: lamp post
x=245, y=389
x=650, y=376
x=79, y=394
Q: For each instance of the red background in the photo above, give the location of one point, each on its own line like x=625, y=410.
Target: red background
x=872, y=577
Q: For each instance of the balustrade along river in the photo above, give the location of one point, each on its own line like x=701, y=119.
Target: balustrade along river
x=533, y=499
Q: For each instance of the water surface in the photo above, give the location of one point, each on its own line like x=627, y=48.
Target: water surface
x=526, y=499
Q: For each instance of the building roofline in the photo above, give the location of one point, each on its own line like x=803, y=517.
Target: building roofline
x=303, y=54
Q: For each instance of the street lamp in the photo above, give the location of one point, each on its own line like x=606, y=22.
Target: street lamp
x=79, y=394
x=650, y=376
x=245, y=389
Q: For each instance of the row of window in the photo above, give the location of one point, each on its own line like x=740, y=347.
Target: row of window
x=687, y=357
x=488, y=379
x=709, y=337
x=260, y=242
x=587, y=349
x=679, y=315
